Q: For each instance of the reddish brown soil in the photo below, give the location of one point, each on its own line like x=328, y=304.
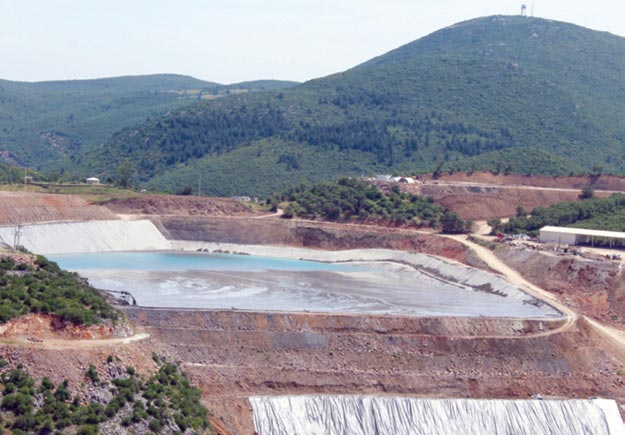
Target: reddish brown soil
x=47, y=326
x=595, y=288
x=233, y=355
x=602, y=182
x=483, y=195
x=72, y=364
x=26, y=208
x=474, y=202
x=179, y=206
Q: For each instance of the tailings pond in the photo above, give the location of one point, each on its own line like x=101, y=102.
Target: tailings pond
x=428, y=287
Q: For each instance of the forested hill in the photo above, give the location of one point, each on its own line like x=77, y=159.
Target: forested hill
x=521, y=94
x=42, y=122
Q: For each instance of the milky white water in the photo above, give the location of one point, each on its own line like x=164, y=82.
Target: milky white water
x=203, y=280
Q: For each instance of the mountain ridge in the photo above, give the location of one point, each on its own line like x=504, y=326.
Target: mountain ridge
x=40, y=122
x=544, y=96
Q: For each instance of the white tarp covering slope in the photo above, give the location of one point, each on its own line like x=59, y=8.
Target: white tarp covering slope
x=363, y=415
x=92, y=236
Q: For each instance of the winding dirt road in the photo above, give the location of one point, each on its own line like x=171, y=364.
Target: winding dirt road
x=614, y=336
x=60, y=344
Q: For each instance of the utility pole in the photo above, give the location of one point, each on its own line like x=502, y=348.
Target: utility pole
x=16, y=236
x=199, y=186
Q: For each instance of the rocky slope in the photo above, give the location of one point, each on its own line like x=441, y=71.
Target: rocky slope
x=594, y=287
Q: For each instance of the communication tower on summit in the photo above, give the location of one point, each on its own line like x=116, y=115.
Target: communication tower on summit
x=523, y=10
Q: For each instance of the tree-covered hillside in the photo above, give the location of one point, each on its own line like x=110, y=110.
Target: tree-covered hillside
x=592, y=213
x=43, y=122
x=36, y=285
x=525, y=94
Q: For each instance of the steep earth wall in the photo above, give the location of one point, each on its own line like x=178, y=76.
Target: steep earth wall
x=27, y=208
x=232, y=355
x=600, y=182
x=179, y=206
x=488, y=202
x=316, y=235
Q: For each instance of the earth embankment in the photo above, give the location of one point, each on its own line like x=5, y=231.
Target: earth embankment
x=232, y=355
x=489, y=202
x=308, y=234
x=598, y=182
x=27, y=208
x=179, y=206
x=593, y=287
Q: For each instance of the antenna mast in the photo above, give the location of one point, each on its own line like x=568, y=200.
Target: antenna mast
x=523, y=10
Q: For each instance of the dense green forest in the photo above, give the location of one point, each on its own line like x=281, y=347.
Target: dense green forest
x=44, y=123
x=592, y=213
x=10, y=174
x=42, y=287
x=519, y=94
x=164, y=400
x=350, y=199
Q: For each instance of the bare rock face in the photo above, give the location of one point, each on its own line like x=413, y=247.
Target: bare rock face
x=99, y=394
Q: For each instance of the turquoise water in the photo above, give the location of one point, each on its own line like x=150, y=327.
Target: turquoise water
x=206, y=280
x=172, y=262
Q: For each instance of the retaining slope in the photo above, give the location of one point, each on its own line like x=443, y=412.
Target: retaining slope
x=28, y=208
x=232, y=355
x=362, y=415
x=94, y=236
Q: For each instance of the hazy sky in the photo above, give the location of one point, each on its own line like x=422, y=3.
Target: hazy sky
x=235, y=40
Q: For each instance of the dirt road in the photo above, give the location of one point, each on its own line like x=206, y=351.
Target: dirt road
x=515, y=277
x=60, y=344
x=614, y=336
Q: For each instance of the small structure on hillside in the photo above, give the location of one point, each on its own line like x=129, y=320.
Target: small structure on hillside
x=408, y=180
x=383, y=177
x=93, y=181
x=582, y=236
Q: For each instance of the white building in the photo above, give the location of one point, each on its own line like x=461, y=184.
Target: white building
x=93, y=181
x=581, y=236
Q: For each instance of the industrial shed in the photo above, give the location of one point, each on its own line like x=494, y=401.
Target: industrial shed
x=581, y=236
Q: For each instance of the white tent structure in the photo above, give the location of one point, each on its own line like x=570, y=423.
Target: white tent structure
x=581, y=236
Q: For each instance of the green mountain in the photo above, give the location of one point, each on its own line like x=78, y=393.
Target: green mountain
x=43, y=122
x=523, y=94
